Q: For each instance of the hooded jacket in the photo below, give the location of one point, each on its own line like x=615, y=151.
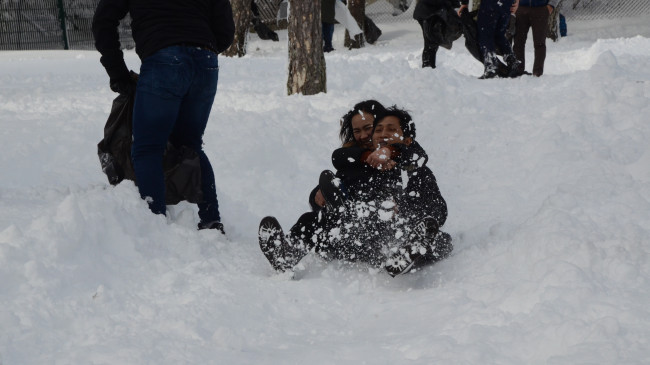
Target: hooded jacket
x=537, y=3
x=425, y=8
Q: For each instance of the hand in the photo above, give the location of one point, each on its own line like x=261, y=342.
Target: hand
x=550, y=9
x=125, y=85
x=319, y=199
x=380, y=159
x=460, y=10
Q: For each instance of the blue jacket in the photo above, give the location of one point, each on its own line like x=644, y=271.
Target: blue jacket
x=535, y=3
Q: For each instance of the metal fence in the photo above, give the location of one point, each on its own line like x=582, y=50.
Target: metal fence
x=51, y=24
x=66, y=24
x=274, y=11
x=604, y=9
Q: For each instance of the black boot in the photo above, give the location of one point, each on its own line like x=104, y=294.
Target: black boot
x=488, y=74
x=276, y=247
x=491, y=63
x=442, y=246
x=515, y=67
x=429, y=56
x=212, y=225
x=400, y=262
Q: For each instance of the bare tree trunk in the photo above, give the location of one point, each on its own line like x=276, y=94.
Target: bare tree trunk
x=306, y=60
x=242, y=13
x=358, y=10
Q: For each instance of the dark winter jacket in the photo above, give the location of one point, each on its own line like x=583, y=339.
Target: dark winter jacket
x=425, y=8
x=157, y=24
x=354, y=173
x=536, y=3
x=312, y=200
x=420, y=196
x=328, y=12
x=530, y=3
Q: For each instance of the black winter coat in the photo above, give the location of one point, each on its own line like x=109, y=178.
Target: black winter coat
x=421, y=196
x=417, y=195
x=425, y=8
x=328, y=11
x=357, y=176
x=157, y=24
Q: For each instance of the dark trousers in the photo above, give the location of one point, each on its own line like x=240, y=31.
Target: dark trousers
x=305, y=233
x=430, y=49
x=174, y=96
x=492, y=23
x=536, y=18
x=340, y=236
x=328, y=33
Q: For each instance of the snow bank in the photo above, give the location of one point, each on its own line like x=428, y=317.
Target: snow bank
x=547, y=181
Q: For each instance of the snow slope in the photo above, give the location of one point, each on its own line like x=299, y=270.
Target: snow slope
x=547, y=181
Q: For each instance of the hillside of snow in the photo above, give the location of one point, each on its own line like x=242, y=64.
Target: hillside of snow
x=547, y=182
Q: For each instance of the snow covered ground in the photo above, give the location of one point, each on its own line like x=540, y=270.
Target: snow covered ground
x=547, y=181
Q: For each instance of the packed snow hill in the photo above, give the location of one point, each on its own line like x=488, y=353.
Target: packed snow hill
x=547, y=182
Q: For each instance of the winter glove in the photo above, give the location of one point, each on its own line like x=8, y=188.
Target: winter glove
x=125, y=85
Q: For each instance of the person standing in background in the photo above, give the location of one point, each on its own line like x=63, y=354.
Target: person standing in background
x=327, y=15
x=492, y=23
x=532, y=14
x=423, y=13
x=178, y=43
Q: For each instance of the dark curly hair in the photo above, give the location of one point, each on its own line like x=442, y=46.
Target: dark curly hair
x=367, y=106
x=405, y=120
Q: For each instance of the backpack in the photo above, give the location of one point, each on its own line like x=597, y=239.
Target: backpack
x=443, y=27
x=181, y=164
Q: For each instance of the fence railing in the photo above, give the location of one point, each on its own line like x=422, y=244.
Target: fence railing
x=66, y=24
x=605, y=9
x=51, y=24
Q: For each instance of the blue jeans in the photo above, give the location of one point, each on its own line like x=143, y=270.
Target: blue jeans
x=492, y=23
x=173, y=100
x=328, y=34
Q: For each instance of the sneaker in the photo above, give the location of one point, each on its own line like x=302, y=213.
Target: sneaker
x=488, y=74
x=412, y=257
x=330, y=187
x=275, y=246
x=442, y=246
x=212, y=225
x=426, y=229
x=515, y=72
x=515, y=67
x=401, y=262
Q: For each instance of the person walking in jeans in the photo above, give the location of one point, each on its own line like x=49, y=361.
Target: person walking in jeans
x=532, y=14
x=328, y=20
x=492, y=23
x=178, y=43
